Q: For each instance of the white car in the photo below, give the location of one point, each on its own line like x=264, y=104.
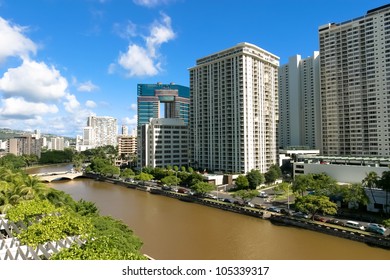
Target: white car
x=263, y=194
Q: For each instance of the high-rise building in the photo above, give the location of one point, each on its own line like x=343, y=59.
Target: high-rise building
x=162, y=138
x=355, y=85
x=299, y=103
x=25, y=145
x=165, y=143
x=100, y=131
x=57, y=143
x=234, y=110
x=172, y=99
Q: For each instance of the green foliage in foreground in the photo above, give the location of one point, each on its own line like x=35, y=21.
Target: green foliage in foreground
x=110, y=240
x=51, y=215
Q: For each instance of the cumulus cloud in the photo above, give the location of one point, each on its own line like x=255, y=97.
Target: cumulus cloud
x=90, y=104
x=34, y=82
x=138, y=62
x=145, y=60
x=130, y=121
x=13, y=42
x=87, y=86
x=71, y=103
x=19, y=108
x=125, y=31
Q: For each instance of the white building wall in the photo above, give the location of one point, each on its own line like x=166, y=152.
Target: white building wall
x=341, y=173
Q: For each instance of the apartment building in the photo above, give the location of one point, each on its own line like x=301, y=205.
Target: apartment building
x=355, y=85
x=234, y=110
x=164, y=142
x=299, y=103
x=25, y=145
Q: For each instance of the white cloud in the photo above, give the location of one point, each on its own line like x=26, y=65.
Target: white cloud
x=71, y=103
x=160, y=32
x=133, y=107
x=13, y=42
x=145, y=61
x=18, y=108
x=130, y=121
x=150, y=3
x=88, y=86
x=126, y=30
x=34, y=82
x=138, y=62
x=90, y=104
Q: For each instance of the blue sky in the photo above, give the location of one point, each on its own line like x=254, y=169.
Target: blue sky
x=63, y=60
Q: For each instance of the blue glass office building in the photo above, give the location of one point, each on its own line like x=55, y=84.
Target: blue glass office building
x=176, y=100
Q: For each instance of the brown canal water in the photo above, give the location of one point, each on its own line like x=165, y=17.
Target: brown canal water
x=177, y=230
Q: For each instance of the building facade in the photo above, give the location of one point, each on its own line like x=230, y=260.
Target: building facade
x=299, y=103
x=164, y=143
x=25, y=145
x=162, y=131
x=162, y=101
x=101, y=131
x=234, y=110
x=355, y=85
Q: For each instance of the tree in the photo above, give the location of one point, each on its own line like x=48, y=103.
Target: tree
x=272, y=174
x=242, y=182
x=245, y=195
x=170, y=180
x=371, y=182
x=201, y=188
x=144, y=177
x=127, y=173
x=323, y=184
x=302, y=183
x=314, y=204
x=355, y=195
x=255, y=178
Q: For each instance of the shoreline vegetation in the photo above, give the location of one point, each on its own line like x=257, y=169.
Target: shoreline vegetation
x=43, y=215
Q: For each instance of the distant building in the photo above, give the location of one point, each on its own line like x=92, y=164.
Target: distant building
x=25, y=145
x=299, y=102
x=234, y=110
x=125, y=130
x=57, y=143
x=127, y=149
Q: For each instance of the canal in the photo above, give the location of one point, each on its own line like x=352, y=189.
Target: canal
x=177, y=230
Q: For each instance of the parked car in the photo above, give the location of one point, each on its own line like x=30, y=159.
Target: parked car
x=263, y=194
x=286, y=212
x=274, y=209
x=182, y=190
x=376, y=228
x=227, y=200
x=209, y=195
x=300, y=215
x=239, y=203
x=319, y=218
x=335, y=222
x=250, y=204
x=355, y=225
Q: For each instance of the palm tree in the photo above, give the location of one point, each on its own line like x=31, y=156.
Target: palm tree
x=371, y=182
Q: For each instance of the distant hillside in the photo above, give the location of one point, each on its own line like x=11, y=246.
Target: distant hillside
x=6, y=133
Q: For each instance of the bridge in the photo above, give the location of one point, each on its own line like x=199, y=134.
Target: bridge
x=49, y=177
